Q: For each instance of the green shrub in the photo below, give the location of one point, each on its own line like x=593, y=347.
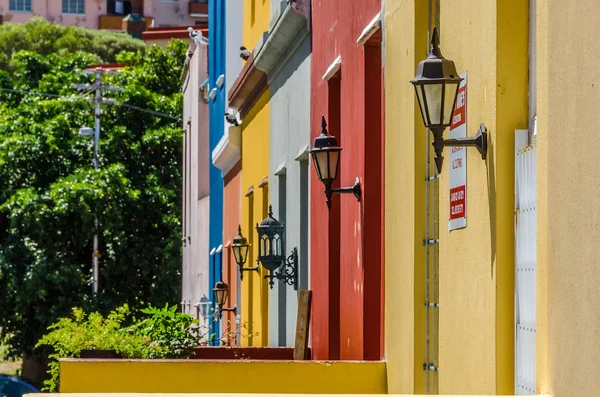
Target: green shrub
x=165, y=334
x=172, y=333
x=69, y=336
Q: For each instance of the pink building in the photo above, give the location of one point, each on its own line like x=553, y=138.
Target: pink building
x=107, y=14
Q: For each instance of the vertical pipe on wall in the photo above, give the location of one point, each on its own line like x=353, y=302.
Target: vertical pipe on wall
x=436, y=306
x=427, y=237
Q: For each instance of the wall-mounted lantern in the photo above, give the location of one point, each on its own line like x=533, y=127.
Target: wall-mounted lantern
x=221, y=293
x=202, y=307
x=271, y=246
x=240, y=246
x=436, y=85
x=326, y=158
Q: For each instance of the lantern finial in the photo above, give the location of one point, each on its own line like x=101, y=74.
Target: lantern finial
x=323, y=125
x=270, y=211
x=240, y=230
x=435, y=42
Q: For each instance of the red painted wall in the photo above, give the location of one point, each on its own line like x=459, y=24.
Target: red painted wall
x=232, y=215
x=346, y=243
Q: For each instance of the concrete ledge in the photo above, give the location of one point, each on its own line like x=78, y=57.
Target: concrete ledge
x=239, y=376
x=244, y=353
x=254, y=395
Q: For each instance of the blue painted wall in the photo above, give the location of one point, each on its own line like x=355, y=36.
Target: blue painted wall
x=216, y=67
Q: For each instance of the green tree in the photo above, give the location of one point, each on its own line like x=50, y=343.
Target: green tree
x=50, y=192
x=45, y=38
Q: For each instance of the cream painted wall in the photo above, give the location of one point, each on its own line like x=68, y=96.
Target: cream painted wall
x=195, y=248
x=489, y=40
x=405, y=39
x=568, y=98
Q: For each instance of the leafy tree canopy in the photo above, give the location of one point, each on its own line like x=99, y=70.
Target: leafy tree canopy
x=44, y=38
x=49, y=191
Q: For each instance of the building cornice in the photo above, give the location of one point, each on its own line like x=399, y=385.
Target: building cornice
x=284, y=27
x=228, y=151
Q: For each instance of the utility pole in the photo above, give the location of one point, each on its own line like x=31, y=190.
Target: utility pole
x=98, y=100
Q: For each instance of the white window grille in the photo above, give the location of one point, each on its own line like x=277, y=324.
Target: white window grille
x=19, y=5
x=73, y=6
x=525, y=263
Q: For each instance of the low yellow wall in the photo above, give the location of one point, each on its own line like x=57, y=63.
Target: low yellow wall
x=245, y=395
x=240, y=376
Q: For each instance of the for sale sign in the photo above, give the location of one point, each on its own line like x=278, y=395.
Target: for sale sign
x=458, y=161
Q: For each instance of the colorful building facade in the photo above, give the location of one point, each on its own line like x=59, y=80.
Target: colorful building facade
x=408, y=297
x=285, y=59
x=195, y=288
x=106, y=14
x=450, y=292
x=227, y=157
x=346, y=242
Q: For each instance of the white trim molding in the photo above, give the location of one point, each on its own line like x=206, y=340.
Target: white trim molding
x=332, y=69
x=229, y=150
x=370, y=30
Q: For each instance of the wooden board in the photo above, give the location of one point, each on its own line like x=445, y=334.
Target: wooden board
x=302, y=325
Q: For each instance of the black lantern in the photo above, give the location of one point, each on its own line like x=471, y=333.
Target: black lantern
x=270, y=242
x=271, y=246
x=240, y=247
x=436, y=86
x=326, y=158
x=221, y=293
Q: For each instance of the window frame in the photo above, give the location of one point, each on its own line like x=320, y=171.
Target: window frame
x=70, y=11
x=24, y=7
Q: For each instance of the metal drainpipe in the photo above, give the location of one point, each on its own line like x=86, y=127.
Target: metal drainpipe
x=431, y=241
x=436, y=236
x=427, y=237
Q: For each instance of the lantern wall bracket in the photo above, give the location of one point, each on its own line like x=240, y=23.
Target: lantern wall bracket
x=288, y=272
x=355, y=189
x=479, y=141
x=226, y=309
x=246, y=269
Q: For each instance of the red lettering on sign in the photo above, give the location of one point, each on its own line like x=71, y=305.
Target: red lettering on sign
x=458, y=117
x=458, y=202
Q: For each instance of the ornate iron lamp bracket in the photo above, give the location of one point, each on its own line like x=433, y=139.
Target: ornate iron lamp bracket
x=288, y=272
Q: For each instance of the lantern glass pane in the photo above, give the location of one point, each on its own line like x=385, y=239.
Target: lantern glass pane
x=322, y=164
x=237, y=254
x=419, y=91
x=220, y=297
x=433, y=96
x=450, y=101
x=243, y=251
x=265, y=246
x=334, y=158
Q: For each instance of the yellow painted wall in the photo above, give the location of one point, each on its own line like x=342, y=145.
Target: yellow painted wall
x=406, y=30
x=241, y=376
x=255, y=163
x=256, y=20
x=568, y=98
x=488, y=39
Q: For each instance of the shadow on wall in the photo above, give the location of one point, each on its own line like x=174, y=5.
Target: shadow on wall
x=491, y=169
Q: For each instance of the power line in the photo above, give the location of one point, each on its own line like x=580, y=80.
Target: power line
x=82, y=98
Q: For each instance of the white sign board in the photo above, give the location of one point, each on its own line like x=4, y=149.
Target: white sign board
x=458, y=161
